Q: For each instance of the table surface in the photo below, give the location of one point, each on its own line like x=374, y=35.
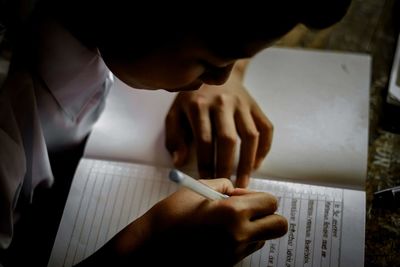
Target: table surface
x=371, y=27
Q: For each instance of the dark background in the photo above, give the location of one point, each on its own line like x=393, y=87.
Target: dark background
x=371, y=26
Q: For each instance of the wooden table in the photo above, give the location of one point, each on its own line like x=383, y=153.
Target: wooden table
x=371, y=26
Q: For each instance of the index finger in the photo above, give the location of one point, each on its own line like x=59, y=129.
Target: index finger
x=249, y=136
x=226, y=141
x=266, y=130
x=260, y=204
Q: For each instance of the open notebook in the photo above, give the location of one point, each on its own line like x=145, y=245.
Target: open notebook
x=318, y=102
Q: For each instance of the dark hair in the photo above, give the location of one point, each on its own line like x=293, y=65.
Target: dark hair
x=118, y=24
x=321, y=14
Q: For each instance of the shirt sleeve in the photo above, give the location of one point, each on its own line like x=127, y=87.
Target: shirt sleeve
x=12, y=169
x=24, y=161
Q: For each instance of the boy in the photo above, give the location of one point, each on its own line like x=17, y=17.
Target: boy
x=59, y=79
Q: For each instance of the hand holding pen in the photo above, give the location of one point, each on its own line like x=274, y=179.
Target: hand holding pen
x=218, y=225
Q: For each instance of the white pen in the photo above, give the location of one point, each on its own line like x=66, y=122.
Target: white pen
x=196, y=186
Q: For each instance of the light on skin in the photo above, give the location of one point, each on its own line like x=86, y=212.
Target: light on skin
x=184, y=67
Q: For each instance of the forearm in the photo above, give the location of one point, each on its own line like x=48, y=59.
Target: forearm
x=125, y=247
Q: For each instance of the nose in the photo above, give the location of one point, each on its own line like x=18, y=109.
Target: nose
x=216, y=75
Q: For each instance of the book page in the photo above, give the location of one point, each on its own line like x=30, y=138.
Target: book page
x=326, y=225
x=318, y=102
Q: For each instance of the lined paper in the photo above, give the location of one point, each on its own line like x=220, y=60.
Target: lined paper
x=313, y=214
x=106, y=196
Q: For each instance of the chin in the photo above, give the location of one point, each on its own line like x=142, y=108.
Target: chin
x=191, y=87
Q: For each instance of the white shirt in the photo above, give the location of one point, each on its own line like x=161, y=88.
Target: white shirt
x=47, y=109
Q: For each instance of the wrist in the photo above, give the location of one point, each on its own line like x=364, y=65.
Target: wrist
x=240, y=67
x=125, y=247
x=132, y=237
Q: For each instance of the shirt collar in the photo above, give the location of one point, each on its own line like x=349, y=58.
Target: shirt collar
x=72, y=72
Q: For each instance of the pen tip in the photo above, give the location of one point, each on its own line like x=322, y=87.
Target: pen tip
x=175, y=176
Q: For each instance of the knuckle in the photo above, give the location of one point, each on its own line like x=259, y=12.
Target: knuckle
x=233, y=210
x=227, y=139
x=205, y=138
x=223, y=99
x=267, y=125
x=270, y=201
x=235, y=216
x=251, y=135
x=197, y=103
